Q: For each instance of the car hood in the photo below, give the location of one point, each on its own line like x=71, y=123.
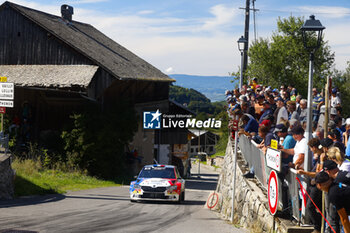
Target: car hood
x=155, y=182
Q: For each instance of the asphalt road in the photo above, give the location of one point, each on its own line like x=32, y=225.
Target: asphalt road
x=110, y=210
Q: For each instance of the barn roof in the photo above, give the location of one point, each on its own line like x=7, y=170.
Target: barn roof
x=49, y=76
x=87, y=40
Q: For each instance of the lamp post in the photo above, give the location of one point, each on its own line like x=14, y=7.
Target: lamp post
x=312, y=28
x=312, y=37
x=241, y=43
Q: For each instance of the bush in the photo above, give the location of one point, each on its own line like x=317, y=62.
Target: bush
x=97, y=140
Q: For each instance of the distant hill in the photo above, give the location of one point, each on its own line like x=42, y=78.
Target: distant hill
x=212, y=87
x=194, y=100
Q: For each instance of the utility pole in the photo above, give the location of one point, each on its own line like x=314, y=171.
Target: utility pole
x=246, y=35
x=246, y=31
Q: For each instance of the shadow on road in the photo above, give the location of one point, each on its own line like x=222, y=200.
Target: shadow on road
x=203, y=183
x=31, y=200
x=100, y=198
x=186, y=202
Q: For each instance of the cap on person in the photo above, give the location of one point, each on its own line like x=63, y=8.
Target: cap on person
x=334, y=91
x=265, y=123
x=326, y=142
x=323, y=109
x=347, y=121
x=280, y=99
x=329, y=165
x=298, y=130
x=280, y=128
x=321, y=177
x=243, y=98
x=275, y=90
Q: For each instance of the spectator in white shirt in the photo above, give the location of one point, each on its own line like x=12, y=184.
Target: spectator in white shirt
x=335, y=100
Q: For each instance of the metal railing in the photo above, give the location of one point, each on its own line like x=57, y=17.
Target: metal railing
x=256, y=159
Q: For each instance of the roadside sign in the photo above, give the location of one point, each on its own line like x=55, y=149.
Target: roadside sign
x=273, y=159
x=3, y=79
x=272, y=192
x=7, y=91
x=2, y=110
x=274, y=144
x=6, y=103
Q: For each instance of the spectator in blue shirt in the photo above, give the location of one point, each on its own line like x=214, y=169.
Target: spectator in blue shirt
x=251, y=126
x=267, y=111
x=316, y=105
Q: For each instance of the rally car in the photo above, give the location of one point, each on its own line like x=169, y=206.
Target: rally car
x=158, y=182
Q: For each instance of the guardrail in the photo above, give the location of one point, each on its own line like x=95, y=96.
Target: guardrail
x=256, y=159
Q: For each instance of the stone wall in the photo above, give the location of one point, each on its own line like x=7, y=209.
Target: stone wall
x=251, y=204
x=6, y=177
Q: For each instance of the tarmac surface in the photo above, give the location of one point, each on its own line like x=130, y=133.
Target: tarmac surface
x=110, y=210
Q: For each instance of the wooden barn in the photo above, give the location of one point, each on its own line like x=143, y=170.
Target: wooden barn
x=59, y=65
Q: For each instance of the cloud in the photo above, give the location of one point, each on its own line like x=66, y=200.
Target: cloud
x=223, y=15
x=169, y=70
x=145, y=12
x=326, y=11
x=88, y=1
x=194, y=45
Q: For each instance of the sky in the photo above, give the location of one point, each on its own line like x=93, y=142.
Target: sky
x=199, y=37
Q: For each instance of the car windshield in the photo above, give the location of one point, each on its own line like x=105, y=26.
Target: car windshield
x=157, y=172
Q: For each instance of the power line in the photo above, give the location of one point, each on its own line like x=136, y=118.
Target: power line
x=305, y=12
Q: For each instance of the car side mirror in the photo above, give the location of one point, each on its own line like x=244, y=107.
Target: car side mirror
x=135, y=177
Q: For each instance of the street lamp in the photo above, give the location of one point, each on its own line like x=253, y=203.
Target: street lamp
x=312, y=37
x=241, y=43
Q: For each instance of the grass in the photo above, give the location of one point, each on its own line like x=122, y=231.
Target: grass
x=33, y=179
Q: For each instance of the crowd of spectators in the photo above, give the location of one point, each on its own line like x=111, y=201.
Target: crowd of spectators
x=265, y=113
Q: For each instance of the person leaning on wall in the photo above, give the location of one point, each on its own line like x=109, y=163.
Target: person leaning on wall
x=338, y=194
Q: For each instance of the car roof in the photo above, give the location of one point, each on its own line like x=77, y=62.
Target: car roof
x=160, y=165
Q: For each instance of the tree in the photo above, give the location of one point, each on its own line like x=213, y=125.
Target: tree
x=341, y=79
x=284, y=60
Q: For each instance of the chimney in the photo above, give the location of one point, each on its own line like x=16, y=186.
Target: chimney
x=67, y=12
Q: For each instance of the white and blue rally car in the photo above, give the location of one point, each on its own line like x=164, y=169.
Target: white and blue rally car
x=158, y=182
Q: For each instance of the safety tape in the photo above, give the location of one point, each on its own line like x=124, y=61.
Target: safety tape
x=302, y=188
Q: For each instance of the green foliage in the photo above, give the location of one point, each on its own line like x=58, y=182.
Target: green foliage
x=342, y=81
x=284, y=60
x=33, y=179
x=96, y=141
x=223, y=132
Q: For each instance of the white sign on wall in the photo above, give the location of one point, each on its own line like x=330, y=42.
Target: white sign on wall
x=273, y=159
x=7, y=91
x=6, y=103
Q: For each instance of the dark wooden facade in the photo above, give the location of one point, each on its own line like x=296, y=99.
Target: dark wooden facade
x=31, y=37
